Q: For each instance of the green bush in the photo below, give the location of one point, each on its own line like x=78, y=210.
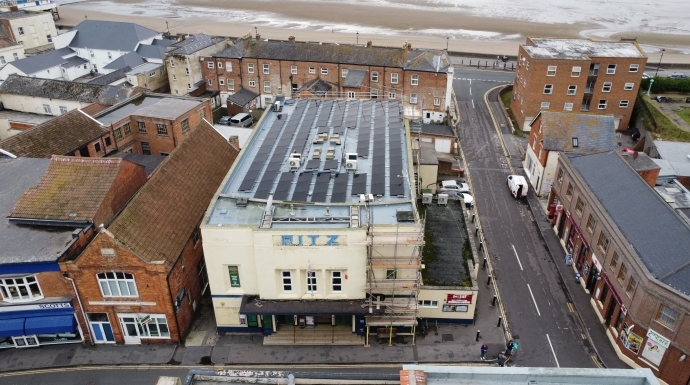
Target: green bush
x=663, y=85
x=656, y=122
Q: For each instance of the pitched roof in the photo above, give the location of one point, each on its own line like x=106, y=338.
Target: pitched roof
x=98, y=34
x=58, y=136
x=318, y=87
x=64, y=90
x=161, y=217
x=72, y=189
x=354, y=78
x=428, y=61
x=43, y=61
x=94, y=108
x=114, y=76
x=152, y=51
x=242, y=97
x=191, y=44
x=594, y=133
x=131, y=60
x=657, y=234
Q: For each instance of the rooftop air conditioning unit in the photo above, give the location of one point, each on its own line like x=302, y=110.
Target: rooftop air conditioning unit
x=442, y=199
x=276, y=106
x=295, y=160
x=426, y=199
x=351, y=161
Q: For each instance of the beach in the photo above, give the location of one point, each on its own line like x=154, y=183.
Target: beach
x=459, y=25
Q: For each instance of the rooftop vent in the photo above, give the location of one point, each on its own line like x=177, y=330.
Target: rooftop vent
x=241, y=202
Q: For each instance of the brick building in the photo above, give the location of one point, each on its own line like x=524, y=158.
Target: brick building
x=153, y=124
x=421, y=79
x=595, y=77
x=48, y=213
x=183, y=65
x=142, y=277
x=631, y=249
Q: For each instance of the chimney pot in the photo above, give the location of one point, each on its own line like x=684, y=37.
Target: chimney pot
x=235, y=141
x=291, y=39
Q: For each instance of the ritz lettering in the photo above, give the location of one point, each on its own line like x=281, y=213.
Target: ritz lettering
x=309, y=240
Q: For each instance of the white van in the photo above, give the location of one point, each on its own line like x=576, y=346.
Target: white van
x=517, y=184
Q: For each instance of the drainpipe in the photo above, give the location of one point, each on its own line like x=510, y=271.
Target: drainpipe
x=74, y=286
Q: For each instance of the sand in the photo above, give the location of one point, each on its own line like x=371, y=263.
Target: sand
x=502, y=36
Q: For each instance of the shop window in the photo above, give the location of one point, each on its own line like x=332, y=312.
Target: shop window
x=117, y=284
x=337, y=281
x=20, y=289
x=667, y=316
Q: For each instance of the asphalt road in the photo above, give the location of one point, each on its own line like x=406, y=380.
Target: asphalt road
x=530, y=287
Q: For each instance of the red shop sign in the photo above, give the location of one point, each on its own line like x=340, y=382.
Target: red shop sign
x=459, y=299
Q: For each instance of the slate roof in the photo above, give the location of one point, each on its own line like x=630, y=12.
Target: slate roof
x=317, y=87
x=98, y=34
x=64, y=90
x=428, y=61
x=58, y=136
x=40, y=62
x=73, y=61
x=114, y=76
x=193, y=44
x=150, y=162
x=131, y=60
x=72, y=189
x=242, y=97
x=163, y=42
x=594, y=133
x=21, y=244
x=651, y=227
x=354, y=78
x=437, y=129
x=675, y=155
x=160, y=218
x=152, y=51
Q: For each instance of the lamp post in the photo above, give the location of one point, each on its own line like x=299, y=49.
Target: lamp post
x=657, y=67
x=357, y=37
x=651, y=81
x=447, y=38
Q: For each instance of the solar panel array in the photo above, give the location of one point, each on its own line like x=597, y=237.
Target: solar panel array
x=378, y=165
x=395, y=145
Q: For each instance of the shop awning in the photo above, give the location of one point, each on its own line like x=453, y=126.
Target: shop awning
x=11, y=327
x=50, y=325
x=254, y=305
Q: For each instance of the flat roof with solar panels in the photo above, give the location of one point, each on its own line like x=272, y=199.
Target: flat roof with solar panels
x=316, y=159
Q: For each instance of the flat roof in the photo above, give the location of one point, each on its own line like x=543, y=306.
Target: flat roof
x=554, y=48
x=322, y=133
x=146, y=67
x=153, y=106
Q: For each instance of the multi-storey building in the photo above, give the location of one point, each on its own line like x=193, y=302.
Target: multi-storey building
x=182, y=61
x=631, y=250
x=420, y=79
x=596, y=77
x=35, y=31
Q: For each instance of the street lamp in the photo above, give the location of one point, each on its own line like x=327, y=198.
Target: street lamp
x=357, y=37
x=657, y=67
x=447, y=37
x=651, y=81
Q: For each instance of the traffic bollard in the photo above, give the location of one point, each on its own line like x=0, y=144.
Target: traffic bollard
x=499, y=321
x=473, y=217
x=493, y=301
x=476, y=231
x=488, y=281
x=481, y=246
x=478, y=333
x=484, y=263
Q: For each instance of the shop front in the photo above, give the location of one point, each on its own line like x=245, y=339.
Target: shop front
x=36, y=324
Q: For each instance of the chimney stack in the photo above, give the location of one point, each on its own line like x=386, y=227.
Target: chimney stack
x=234, y=141
x=291, y=39
x=369, y=44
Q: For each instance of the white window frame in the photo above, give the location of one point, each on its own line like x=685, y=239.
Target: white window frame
x=628, y=86
x=46, y=109
x=252, y=83
x=394, y=78
x=172, y=62
x=413, y=98
x=210, y=65
x=374, y=76
x=572, y=89
x=20, y=30
x=568, y=107
x=220, y=64
x=312, y=70
x=210, y=82
x=267, y=87
x=116, y=280
x=624, y=104
x=174, y=77
x=250, y=68
x=551, y=71
x=351, y=95
x=414, y=80
x=267, y=69
x=545, y=105
x=391, y=95
x=374, y=94
x=286, y=281
x=634, y=68
x=575, y=72
x=337, y=281
x=606, y=87
x=324, y=71
x=549, y=88
x=602, y=106
x=228, y=66
x=231, y=84
x=437, y=101
x=293, y=70
x=186, y=71
x=221, y=82
x=312, y=282
x=27, y=281
x=611, y=69
x=2, y=59
x=344, y=72
x=428, y=304
x=144, y=330
x=63, y=110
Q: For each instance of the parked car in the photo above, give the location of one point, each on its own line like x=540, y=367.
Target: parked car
x=645, y=75
x=678, y=76
x=452, y=188
x=467, y=199
x=225, y=120
x=242, y=120
x=517, y=185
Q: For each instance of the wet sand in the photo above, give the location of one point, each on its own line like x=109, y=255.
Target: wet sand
x=395, y=19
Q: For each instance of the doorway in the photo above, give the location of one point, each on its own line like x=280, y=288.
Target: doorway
x=609, y=312
x=132, y=329
x=101, y=328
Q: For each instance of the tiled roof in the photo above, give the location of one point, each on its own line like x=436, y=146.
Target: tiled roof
x=58, y=136
x=594, y=133
x=354, y=78
x=192, y=44
x=64, y=90
x=43, y=61
x=242, y=97
x=94, y=108
x=130, y=60
x=98, y=34
x=72, y=189
x=159, y=220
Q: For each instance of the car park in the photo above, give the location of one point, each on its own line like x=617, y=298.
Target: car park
x=242, y=120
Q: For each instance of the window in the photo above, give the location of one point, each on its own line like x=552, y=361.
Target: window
x=611, y=69
x=572, y=90
x=220, y=64
x=161, y=129
x=266, y=69
x=350, y=95
x=579, y=206
x=228, y=66
x=634, y=67
x=374, y=76
x=172, y=62
x=163, y=153
x=63, y=110
x=632, y=285
x=607, y=87
x=575, y=73
x=344, y=73
x=311, y=282
x=20, y=30
x=602, y=104
x=394, y=78
x=117, y=284
x=569, y=191
x=628, y=86
x=603, y=242
x=534, y=142
x=413, y=98
x=252, y=83
x=97, y=147
x=551, y=71
x=46, y=109
x=623, y=104
x=437, y=101
x=560, y=176
x=391, y=95
x=324, y=71
x=591, y=223
x=118, y=133
x=545, y=105
x=202, y=113
x=210, y=82
x=337, y=281
x=250, y=68
x=427, y=303
x=185, y=125
x=293, y=70
x=146, y=148
x=20, y=289
x=415, y=80
x=15, y=56
x=155, y=326
x=614, y=261
x=231, y=84
x=107, y=141
x=374, y=94
x=568, y=107
x=174, y=78
x=391, y=274
x=267, y=87
x=127, y=129
x=548, y=89
x=221, y=82
x=312, y=70
x=50, y=38
x=2, y=59
x=667, y=316
x=622, y=273
x=287, y=281
x=141, y=127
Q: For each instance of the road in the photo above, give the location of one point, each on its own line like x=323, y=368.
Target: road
x=533, y=294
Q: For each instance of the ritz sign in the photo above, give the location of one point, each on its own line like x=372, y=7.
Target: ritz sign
x=309, y=240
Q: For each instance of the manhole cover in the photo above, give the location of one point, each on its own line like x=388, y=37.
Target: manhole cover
x=447, y=337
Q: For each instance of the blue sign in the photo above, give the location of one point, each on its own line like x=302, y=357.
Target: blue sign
x=568, y=259
x=309, y=240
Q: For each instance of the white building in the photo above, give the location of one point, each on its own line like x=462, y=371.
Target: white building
x=183, y=65
x=34, y=30
x=10, y=51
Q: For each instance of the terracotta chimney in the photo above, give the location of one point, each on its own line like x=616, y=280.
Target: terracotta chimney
x=369, y=44
x=234, y=140
x=291, y=39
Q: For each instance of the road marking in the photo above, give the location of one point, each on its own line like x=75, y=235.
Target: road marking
x=552, y=351
x=596, y=361
x=570, y=307
x=531, y=216
x=535, y=301
x=472, y=103
x=470, y=88
x=584, y=337
x=518, y=258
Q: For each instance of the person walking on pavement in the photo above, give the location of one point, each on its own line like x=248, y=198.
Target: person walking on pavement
x=483, y=355
x=501, y=359
x=509, y=348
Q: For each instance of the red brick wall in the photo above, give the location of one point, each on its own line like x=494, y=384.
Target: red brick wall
x=650, y=176
x=185, y=274
x=128, y=181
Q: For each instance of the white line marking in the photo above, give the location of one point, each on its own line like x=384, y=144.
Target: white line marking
x=518, y=258
x=470, y=83
x=470, y=89
x=552, y=351
x=535, y=301
x=472, y=103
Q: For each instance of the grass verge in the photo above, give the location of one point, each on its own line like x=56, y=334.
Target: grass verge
x=505, y=98
x=660, y=125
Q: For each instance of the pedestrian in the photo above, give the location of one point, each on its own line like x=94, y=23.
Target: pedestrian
x=509, y=348
x=501, y=359
x=483, y=355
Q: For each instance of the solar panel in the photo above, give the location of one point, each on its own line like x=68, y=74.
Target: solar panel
x=302, y=187
x=378, y=186
x=321, y=187
x=265, y=186
x=331, y=165
x=284, y=184
x=397, y=186
x=339, y=193
x=313, y=164
x=359, y=184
